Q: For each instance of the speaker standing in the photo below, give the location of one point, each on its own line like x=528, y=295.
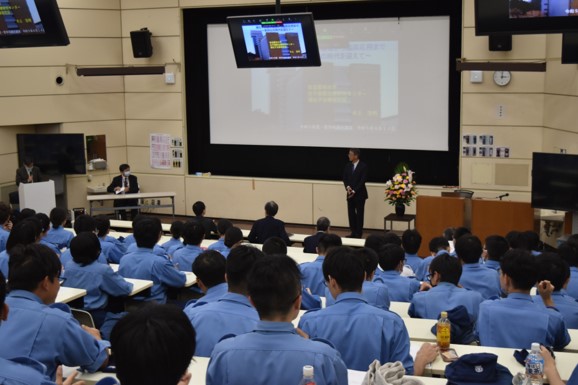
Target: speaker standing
x=354, y=178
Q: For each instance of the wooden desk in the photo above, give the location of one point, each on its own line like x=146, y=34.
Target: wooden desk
x=71, y=296
x=106, y=197
x=400, y=308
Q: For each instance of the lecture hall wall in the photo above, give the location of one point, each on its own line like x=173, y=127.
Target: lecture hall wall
x=541, y=113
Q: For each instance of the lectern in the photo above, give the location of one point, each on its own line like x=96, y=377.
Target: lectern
x=38, y=196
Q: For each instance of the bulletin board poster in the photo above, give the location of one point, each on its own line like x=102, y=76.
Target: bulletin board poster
x=160, y=145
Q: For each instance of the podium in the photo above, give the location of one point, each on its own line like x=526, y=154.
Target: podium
x=38, y=196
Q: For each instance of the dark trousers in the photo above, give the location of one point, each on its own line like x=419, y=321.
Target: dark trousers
x=122, y=214
x=355, y=211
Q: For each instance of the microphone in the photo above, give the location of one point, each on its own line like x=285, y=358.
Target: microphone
x=503, y=196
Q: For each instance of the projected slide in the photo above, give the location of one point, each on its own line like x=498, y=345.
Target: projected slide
x=543, y=8
x=383, y=83
x=20, y=17
x=274, y=41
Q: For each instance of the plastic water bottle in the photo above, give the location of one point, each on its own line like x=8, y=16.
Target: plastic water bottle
x=535, y=366
x=307, y=376
x=443, y=331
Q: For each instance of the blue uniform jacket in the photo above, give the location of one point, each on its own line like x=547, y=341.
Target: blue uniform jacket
x=184, y=258
x=219, y=245
x=443, y=297
x=23, y=371
x=416, y=264
x=3, y=238
x=170, y=243
x=111, y=251
x=59, y=237
x=213, y=294
x=481, y=279
x=572, y=289
x=66, y=257
x=312, y=276
x=375, y=293
x=401, y=289
x=566, y=305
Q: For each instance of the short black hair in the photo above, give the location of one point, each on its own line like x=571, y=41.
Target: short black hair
x=28, y=160
x=30, y=264
x=102, y=225
x=271, y=208
x=199, y=207
x=176, y=229
x=438, y=244
x=514, y=239
x=460, y=232
x=323, y=224
x=356, y=151
x=123, y=167
x=57, y=216
x=147, y=231
x=23, y=233
x=411, y=241
x=569, y=252
x=233, y=235
x=240, y=261
x=390, y=256
x=193, y=233
x=391, y=238
x=496, y=246
x=24, y=214
x=369, y=259
x=223, y=225
x=448, y=267
x=521, y=267
x=209, y=267
x=448, y=233
x=84, y=223
x=85, y=248
x=375, y=242
x=153, y=345
x=341, y=264
x=43, y=221
x=274, y=245
x=327, y=242
x=469, y=248
x=5, y=213
x=274, y=284
x=553, y=268
x=531, y=240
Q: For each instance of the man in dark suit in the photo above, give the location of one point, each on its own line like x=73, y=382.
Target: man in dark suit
x=268, y=227
x=354, y=178
x=208, y=224
x=310, y=243
x=28, y=173
x=125, y=183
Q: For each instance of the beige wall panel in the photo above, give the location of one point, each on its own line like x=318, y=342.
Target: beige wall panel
x=561, y=78
x=92, y=22
x=76, y=191
x=223, y=3
x=554, y=46
x=521, y=140
x=163, y=183
x=524, y=47
x=161, y=22
x=165, y=106
x=89, y=4
x=81, y=51
x=329, y=201
x=526, y=82
x=561, y=112
x=147, y=4
x=519, y=109
x=166, y=49
x=471, y=165
x=139, y=160
x=138, y=131
x=468, y=12
x=8, y=137
x=114, y=130
x=154, y=83
x=8, y=166
x=61, y=108
x=554, y=140
x=116, y=157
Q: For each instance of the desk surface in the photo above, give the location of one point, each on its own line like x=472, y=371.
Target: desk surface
x=139, y=285
x=69, y=294
x=400, y=308
x=104, y=197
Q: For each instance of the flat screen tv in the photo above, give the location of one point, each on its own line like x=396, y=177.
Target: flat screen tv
x=54, y=154
x=525, y=16
x=31, y=23
x=555, y=181
x=280, y=40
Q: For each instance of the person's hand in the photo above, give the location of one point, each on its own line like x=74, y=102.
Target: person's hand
x=427, y=353
x=425, y=286
x=116, y=188
x=8, y=225
x=550, y=367
x=185, y=379
x=302, y=333
x=92, y=331
x=69, y=380
x=545, y=289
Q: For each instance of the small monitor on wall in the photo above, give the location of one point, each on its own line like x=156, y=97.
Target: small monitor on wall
x=281, y=40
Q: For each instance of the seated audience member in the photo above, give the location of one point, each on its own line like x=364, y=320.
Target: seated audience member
x=34, y=329
x=496, y=247
x=400, y=288
x=83, y=223
x=269, y=226
x=445, y=295
x=474, y=275
x=411, y=242
x=372, y=333
x=222, y=226
x=165, y=357
x=233, y=238
x=532, y=242
x=551, y=267
x=99, y=280
x=111, y=250
x=437, y=246
x=312, y=272
x=274, y=287
x=23, y=233
x=569, y=252
x=375, y=242
x=514, y=239
x=130, y=243
x=5, y=224
x=193, y=235
x=58, y=235
x=43, y=221
x=175, y=242
x=375, y=293
x=145, y=264
x=24, y=214
x=209, y=267
x=517, y=321
x=310, y=243
x=208, y=224
x=232, y=313
x=274, y=246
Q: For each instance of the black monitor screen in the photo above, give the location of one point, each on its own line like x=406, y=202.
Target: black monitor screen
x=54, y=154
x=284, y=40
x=555, y=181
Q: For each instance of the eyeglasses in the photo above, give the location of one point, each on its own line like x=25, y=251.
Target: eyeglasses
x=428, y=277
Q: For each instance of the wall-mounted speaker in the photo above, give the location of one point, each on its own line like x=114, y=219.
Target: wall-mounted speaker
x=141, y=43
x=500, y=42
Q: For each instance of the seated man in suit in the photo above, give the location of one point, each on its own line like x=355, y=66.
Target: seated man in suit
x=476, y=276
x=274, y=288
x=310, y=242
x=208, y=224
x=125, y=183
x=517, y=321
x=28, y=173
x=269, y=226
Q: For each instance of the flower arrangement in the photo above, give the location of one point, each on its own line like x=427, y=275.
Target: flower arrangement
x=401, y=188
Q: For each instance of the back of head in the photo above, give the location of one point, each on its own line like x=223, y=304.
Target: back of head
x=147, y=231
x=323, y=224
x=233, y=235
x=274, y=245
x=327, y=242
x=5, y=213
x=460, y=232
x=137, y=218
x=240, y=261
x=84, y=223
x=392, y=238
x=449, y=268
x=531, y=240
x=469, y=248
x=521, y=267
x=223, y=225
x=438, y=244
x=448, y=233
x=411, y=241
x=271, y=208
x=274, y=284
x=369, y=259
x=85, y=248
x=199, y=208
x=496, y=246
x=177, y=229
x=24, y=214
x=23, y=233
x=569, y=252
x=193, y=233
x=153, y=345
x=553, y=268
x=57, y=216
x=102, y=225
x=43, y=221
x=514, y=239
x=390, y=256
x=30, y=264
x=375, y=242
x=342, y=264
x=209, y=267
